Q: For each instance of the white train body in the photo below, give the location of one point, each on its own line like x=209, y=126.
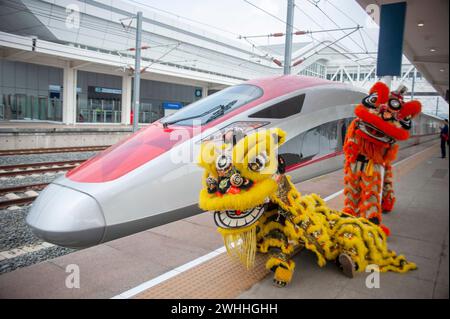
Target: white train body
x=136, y=184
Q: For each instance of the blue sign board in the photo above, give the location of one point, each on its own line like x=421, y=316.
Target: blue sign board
x=172, y=105
x=390, y=41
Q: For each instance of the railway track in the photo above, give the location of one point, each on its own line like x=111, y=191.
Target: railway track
x=20, y=195
x=53, y=150
x=37, y=168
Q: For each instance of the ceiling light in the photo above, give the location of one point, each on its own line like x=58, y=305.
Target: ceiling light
x=442, y=70
x=420, y=24
x=432, y=50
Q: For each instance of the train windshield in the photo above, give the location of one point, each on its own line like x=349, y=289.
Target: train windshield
x=215, y=106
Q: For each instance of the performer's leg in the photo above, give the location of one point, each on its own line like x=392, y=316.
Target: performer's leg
x=370, y=203
x=282, y=267
x=279, y=262
x=388, y=199
x=352, y=189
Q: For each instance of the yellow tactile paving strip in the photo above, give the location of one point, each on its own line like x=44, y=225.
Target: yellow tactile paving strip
x=226, y=278
x=221, y=277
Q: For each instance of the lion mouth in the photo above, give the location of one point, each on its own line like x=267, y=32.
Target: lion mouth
x=374, y=132
x=238, y=219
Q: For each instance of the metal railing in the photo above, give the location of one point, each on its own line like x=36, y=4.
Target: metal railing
x=99, y=116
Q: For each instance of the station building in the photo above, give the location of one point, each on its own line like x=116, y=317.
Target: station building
x=72, y=63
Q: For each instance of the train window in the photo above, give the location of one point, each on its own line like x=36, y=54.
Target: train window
x=311, y=143
x=328, y=137
x=325, y=139
x=283, y=109
x=291, y=150
x=209, y=108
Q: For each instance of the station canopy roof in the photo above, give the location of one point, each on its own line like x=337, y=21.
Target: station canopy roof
x=426, y=38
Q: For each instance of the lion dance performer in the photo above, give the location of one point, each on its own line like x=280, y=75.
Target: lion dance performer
x=370, y=147
x=257, y=208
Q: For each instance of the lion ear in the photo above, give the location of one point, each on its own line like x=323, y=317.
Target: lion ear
x=279, y=136
x=412, y=108
x=382, y=91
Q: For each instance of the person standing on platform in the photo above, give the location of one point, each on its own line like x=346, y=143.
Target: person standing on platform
x=444, y=138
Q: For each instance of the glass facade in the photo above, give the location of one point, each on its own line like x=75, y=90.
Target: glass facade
x=154, y=94
x=30, y=91
x=99, y=98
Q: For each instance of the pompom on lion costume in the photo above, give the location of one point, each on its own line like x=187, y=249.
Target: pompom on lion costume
x=258, y=209
x=382, y=119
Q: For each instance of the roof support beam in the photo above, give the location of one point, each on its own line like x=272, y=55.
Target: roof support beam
x=441, y=59
x=440, y=83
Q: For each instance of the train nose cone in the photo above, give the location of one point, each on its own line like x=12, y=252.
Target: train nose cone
x=66, y=217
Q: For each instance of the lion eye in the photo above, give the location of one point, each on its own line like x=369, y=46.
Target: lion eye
x=395, y=104
x=258, y=164
x=223, y=163
x=371, y=100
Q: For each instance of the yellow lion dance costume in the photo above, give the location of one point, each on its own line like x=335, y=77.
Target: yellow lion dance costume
x=257, y=208
x=370, y=146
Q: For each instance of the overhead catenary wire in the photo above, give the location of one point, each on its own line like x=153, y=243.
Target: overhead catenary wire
x=316, y=5
x=119, y=32
x=301, y=32
x=267, y=12
x=327, y=46
x=295, y=6
x=236, y=35
x=183, y=17
x=351, y=19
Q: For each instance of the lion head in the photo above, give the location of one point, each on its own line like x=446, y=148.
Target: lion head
x=240, y=177
x=385, y=116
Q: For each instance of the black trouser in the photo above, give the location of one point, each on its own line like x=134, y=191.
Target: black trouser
x=443, y=147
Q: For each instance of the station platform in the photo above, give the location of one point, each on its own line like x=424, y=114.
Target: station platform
x=186, y=259
x=37, y=134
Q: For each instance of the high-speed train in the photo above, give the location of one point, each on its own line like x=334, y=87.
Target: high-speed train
x=151, y=178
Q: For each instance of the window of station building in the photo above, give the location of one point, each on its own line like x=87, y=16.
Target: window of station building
x=99, y=98
x=159, y=99
x=283, y=109
x=30, y=91
x=150, y=110
x=216, y=105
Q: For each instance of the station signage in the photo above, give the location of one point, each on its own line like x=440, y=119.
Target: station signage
x=172, y=105
x=57, y=88
x=198, y=92
x=108, y=90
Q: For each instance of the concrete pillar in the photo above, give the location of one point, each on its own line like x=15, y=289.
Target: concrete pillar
x=204, y=91
x=69, y=111
x=126, y=99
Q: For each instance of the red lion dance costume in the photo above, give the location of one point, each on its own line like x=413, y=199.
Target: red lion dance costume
x=370, y=147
